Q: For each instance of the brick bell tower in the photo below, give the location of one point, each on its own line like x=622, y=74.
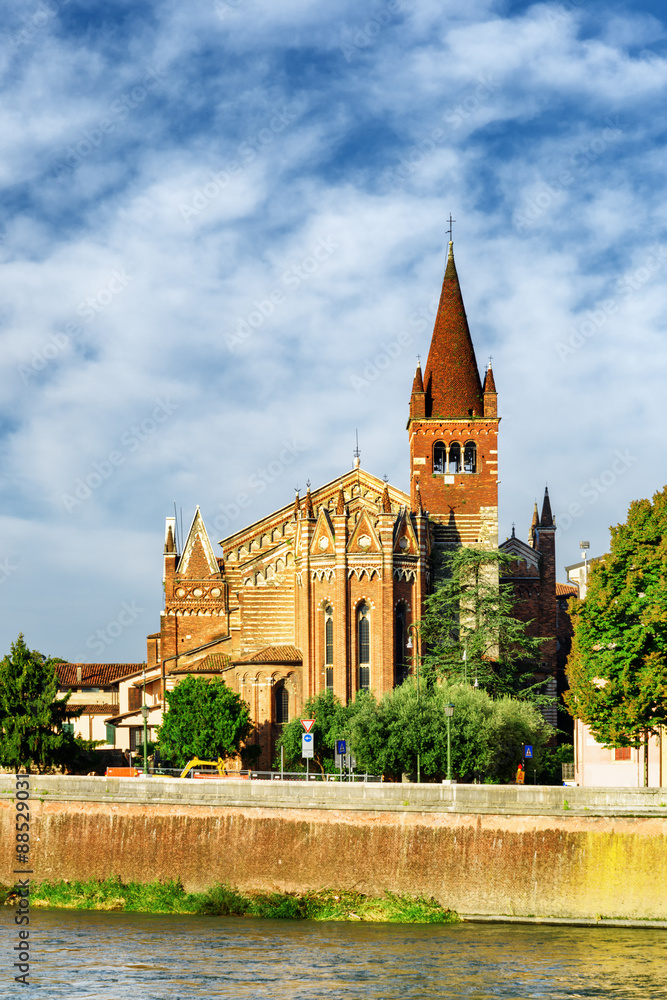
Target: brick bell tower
x=453, y=430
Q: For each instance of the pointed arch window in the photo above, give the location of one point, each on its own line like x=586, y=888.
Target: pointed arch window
x=454, y=457
x=470, y=457
x=399, y=645
x=328, y=646
x=281, y=698
x=364, y=646
x=439, y=457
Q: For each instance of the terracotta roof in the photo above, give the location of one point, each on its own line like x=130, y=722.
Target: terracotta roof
x=98, y=709
x=94, y=674
x=566, y=590
x=214, y=663
x=274, y=654
x=451, y=376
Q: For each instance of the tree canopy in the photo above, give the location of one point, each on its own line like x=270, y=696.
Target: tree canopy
x=469, y=631
x=385, y=736
x=617, y=669
x=205, y=719
x=32, y=716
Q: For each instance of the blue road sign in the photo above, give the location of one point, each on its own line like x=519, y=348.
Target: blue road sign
x=528, y=751
x=341, y=748
x=307, y=745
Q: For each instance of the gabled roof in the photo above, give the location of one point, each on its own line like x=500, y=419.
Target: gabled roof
x=524, y=553
x=198, y=559
x=451, y=377
x=358, y=480
x=566, y=590
x=94, y=674
x=214, y=663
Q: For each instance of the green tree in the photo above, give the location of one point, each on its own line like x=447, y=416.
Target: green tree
x=617, y=668
x=486, y=734
x=205, y=719
x=32, y=716
x=332, y=722
x=469, y=631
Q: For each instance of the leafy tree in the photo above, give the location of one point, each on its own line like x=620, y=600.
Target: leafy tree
x=32, y=716
x=332, y=722
x=486, y=734
x=469, y=630
x=617, y=668
x=206, y=719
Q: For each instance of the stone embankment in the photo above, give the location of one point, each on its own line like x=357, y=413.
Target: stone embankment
x=568, y=853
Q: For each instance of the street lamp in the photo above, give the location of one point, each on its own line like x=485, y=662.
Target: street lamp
x=449, y=711
x=415, y=661
x=144, y=712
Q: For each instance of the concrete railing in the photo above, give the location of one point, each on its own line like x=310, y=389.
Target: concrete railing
x=537, y=800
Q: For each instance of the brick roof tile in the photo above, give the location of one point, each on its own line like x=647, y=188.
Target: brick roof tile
x=94, y=674
x=451, y=376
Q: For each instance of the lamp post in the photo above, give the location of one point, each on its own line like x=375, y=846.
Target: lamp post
x=415, y=661
x=449, y=711
x=144, y=712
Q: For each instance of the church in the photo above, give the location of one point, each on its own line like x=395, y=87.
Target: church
x=322, y=593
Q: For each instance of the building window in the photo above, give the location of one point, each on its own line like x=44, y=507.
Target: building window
x=439, y=456
x=328, y=646
x=67, y=727
x=470, y=457
x=622, y=753
x=282, y=704
x=454, y=458
x=399, y=645
x=136, y=737
x=110, y=735
x=364, y=646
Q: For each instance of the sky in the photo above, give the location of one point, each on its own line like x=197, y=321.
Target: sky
x=222, y=238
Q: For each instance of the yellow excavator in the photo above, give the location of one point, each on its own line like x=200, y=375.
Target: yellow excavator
x=219, y=764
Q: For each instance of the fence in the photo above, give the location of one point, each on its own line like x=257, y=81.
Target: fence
x=249, y=775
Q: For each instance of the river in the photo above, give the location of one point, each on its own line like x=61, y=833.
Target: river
x=135, y=956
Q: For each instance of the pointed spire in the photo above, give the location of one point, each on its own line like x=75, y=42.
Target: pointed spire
x=170, y=545
x=547, y=520
x=418, y=383
x=489, y=381
x=451, y=377
x=534, y=525
x=308, y=505
x=386, y=502
x=297, y=505
x=340, y=502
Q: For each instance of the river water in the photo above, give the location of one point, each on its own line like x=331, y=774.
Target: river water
x=126, y=956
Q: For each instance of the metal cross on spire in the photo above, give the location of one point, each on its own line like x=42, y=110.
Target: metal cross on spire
x=451, y=228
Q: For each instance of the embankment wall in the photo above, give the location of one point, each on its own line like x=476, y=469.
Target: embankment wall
x=550, y=852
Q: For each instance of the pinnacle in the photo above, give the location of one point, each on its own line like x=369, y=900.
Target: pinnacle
x=418, y=383
x=489, y=381
x=547, y=520
x=308, y=505
x=340, y=502
x=386, y=502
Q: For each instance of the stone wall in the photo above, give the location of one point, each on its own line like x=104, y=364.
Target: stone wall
x=561, y=852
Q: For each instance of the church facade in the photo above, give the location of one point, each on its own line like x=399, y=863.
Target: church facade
x=323, y=593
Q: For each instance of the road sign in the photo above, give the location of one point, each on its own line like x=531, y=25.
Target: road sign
x=307, y=745
x=308, y=724
x=528, y=751
x=341, y=748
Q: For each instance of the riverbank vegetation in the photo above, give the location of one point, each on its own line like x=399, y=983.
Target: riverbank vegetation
x=225, y=901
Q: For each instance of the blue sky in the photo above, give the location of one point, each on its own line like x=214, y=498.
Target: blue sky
x=222, y=239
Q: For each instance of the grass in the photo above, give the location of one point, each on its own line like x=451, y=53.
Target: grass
x=224, y=901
